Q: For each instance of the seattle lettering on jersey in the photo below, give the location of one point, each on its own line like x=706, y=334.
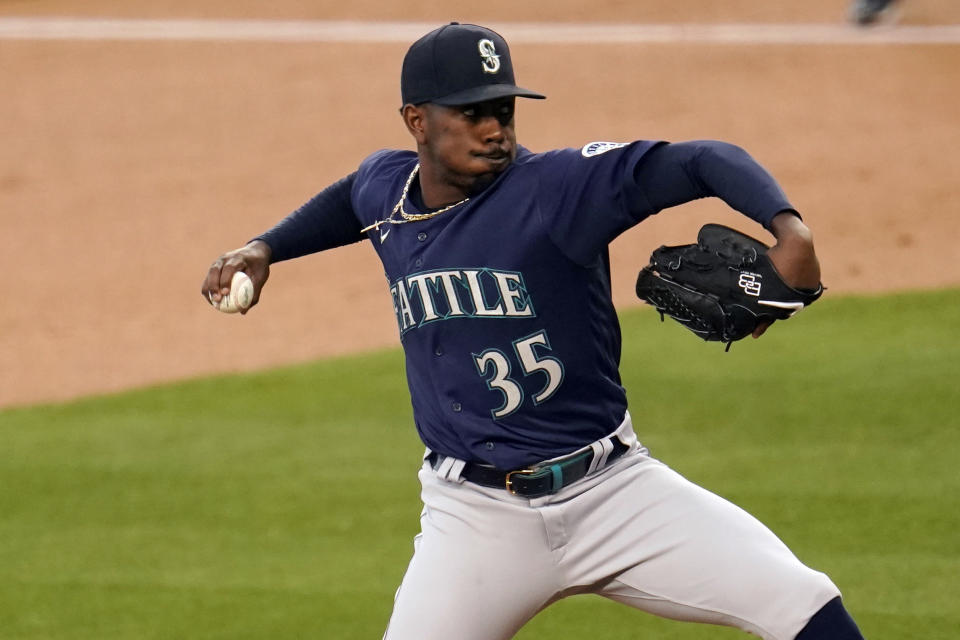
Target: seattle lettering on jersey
x=446, y=294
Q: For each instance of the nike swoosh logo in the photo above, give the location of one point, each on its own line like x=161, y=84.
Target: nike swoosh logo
x=384, y=234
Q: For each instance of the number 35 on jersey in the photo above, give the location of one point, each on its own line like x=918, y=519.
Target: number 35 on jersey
x=531, y=354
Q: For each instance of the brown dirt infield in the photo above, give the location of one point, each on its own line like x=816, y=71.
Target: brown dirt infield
x=127, y=167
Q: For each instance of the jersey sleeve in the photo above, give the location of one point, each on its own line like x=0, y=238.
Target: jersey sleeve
x=326, y=221
x=589, y=196
x=673, y=174
x=594, y=194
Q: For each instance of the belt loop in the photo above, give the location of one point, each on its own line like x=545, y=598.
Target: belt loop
x=607, y=445
x=456, y=471
x=600, y=453
x=450, y=469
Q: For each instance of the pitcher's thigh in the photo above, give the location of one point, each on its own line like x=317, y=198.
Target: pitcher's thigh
x=479, y=572
x=716, y=563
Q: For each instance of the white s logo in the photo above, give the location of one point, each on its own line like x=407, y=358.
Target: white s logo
x=491, y=61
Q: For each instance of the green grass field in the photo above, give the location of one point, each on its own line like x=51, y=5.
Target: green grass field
x=283, y=504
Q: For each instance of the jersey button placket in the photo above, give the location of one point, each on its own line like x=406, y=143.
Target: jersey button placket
x=422, y=236
x=457, y=407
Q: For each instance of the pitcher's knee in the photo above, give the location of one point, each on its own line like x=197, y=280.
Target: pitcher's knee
x=790, y=608
x=831, y=622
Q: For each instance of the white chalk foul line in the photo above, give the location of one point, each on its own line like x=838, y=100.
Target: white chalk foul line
x=519, y=32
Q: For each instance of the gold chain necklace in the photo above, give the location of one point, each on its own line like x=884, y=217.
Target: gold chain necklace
x=410, y=217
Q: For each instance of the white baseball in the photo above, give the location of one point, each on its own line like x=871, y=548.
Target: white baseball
x=240, y=296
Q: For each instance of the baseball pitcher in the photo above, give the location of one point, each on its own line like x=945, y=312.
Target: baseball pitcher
x=535, y=484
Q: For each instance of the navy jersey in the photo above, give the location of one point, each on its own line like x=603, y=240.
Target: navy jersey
x=503, y=303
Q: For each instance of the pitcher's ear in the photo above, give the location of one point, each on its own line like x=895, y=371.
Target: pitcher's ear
x=414, y=117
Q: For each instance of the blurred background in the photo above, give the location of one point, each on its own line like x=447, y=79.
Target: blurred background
x=133, y=153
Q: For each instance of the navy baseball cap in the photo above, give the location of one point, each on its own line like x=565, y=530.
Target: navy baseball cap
x=459, y=64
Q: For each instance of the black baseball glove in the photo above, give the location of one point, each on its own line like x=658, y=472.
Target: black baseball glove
x=722, y=287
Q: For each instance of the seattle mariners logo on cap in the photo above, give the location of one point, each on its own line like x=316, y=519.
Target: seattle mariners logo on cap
x=491, y=61
x=443, y=67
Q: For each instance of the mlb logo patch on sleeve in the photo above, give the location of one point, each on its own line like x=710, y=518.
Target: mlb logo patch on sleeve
x=596, y=148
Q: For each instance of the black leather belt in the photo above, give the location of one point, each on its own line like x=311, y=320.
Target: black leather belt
x=537, y=481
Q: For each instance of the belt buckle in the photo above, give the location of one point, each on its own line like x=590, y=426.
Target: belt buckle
x=509, y=479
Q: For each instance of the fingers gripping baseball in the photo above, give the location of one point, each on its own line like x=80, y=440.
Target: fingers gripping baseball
x=252, y=259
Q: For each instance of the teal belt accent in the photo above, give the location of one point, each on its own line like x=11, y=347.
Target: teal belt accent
x=538, y=480
x=557, y=470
